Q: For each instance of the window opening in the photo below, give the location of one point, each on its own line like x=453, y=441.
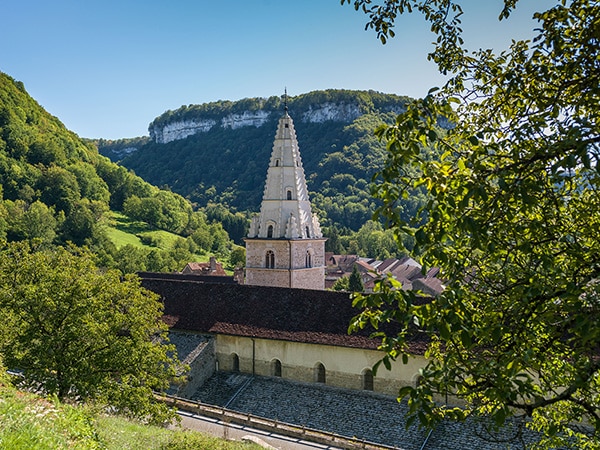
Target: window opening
x=320, y=373
x=270, y=259
x=270, y=231
x=276, y=368
x=367, y=380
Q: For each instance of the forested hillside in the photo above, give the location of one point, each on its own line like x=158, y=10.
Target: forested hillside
x=56, y=188
x=218, y=153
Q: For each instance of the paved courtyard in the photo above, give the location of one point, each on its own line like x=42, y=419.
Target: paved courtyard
x=362, y=414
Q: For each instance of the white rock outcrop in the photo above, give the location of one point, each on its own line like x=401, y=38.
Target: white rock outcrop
x=338, y=112
x=173, y=131
x=246, y=119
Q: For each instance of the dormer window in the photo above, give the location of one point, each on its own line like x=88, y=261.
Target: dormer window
x=287, y=125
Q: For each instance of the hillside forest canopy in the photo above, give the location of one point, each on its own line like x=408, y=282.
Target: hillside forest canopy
x=339, y=155
x=511, y=220
x=74, y=322
x=56, y=188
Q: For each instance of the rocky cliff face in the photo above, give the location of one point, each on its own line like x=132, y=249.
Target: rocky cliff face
x=181, y=129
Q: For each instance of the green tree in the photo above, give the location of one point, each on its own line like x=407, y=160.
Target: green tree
x=236, y=224
x=512, y=222
x=31, y=221
x=375, y=242
x=341, y=284
x=237, y=257
x=355, y=283
x=80, y=226
x=333, y=243
x=92, y=186
x=59, y=188
x=82, y=333
x=131, y=259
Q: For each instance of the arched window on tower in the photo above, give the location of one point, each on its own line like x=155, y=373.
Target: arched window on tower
x=308, y=259
x=270, y=231
x=307, y=233
x=276, y=163
x=270, y=259
x=289, y=195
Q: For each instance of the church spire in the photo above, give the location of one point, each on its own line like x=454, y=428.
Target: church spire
x=285, y=193
x=285, y=246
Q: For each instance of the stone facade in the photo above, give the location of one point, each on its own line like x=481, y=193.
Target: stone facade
x=297, y=361
x=198, y=352
x=292, y=263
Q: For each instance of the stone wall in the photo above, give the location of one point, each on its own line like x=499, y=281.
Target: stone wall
x=288, y=254
x=344, y=367
x=201, y=368
x=198, y=352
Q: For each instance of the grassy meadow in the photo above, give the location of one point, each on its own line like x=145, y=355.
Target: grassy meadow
x=29, y=421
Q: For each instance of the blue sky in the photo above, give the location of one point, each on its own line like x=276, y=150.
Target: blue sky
x=108, y=68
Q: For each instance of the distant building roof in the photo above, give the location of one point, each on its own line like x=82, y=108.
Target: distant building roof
x=212, y=267
x=406, y=270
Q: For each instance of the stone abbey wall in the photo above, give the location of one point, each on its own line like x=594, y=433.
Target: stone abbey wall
x=343, y=367
x=299, y=328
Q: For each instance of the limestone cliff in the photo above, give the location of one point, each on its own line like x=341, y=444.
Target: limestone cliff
x=218, y=153
x=315, y=107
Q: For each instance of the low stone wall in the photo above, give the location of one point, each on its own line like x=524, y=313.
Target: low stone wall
x=198, y=352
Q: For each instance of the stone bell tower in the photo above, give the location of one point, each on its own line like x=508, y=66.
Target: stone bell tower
x=285, y=246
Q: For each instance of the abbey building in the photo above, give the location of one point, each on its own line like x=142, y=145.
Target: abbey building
x=285, y=246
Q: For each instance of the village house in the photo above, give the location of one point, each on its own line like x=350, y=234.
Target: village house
x=212, y=267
